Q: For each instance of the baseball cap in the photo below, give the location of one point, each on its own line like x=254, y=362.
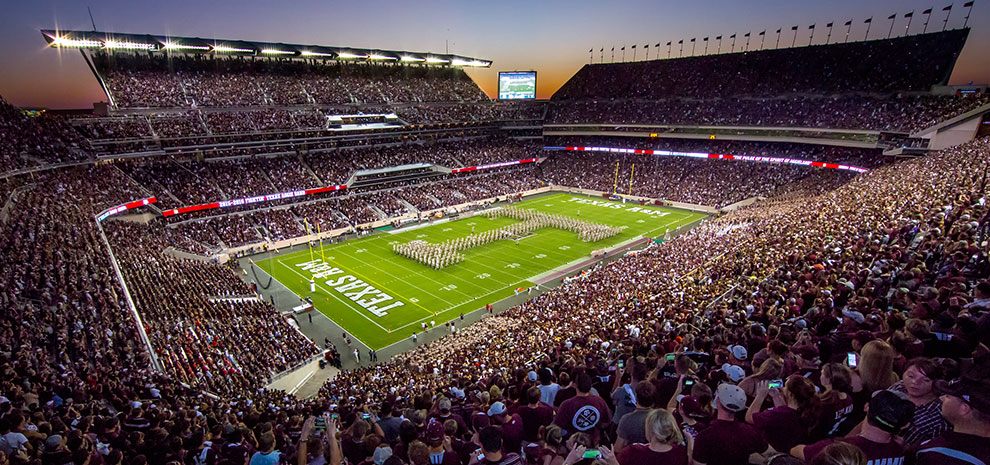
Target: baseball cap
x=434, y=431
x=382, y=453
x=445, y=405
x=976, y=393
x=734, y=372
x=854, y=315
x=497, y=408
x=692, y=407
x=531, y=376
x=732, y=397
x=739, y=352
x=806, y=352
x=890, y=411
x=53, y=441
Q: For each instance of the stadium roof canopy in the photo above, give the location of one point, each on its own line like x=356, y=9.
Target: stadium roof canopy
x=113, y=41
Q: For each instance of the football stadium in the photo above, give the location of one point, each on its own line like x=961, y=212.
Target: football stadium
x=266, y=239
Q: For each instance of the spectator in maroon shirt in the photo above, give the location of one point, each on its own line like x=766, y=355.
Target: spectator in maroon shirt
x=966, y=405
x=665, y=447
x=728, y=441
x=535, y=414
x=491, y=452
x=889, y=412
x=795, y=412
x=440, y=448
x=585, y=413
x=511, y=425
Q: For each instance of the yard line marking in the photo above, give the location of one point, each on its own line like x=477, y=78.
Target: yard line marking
x=324, y=314
x=331, y=294
x=372, y=281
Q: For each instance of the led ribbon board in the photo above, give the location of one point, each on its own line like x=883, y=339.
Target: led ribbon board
x=714, y=156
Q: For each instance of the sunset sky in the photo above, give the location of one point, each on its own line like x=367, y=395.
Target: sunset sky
x=551, y=37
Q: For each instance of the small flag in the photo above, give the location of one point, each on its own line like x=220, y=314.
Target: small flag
x=692, y=39
x=646, y=46
x=793, y=28
x=909, y=15
x=868, y=20
x=705, y=39
x=746, y=35
x=811, y=27
x=623, y=48
x=828, y=25
x=927, y=12
x=778, y=31
x=680, y=41
x=733, y=36
x=668, y=44
x=718, y=37
x=892, y=16
x=591, y=50
x=602, y=50
x=849, y=23
x=763, y=32
x=633, y=46
x=613, y=49
x=658, y=44
x=967, y=5
x=947, y=8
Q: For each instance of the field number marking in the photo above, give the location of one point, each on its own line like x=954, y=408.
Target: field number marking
x=512, y=265
x=540, y=255
x=483, y=276
x=449, y=287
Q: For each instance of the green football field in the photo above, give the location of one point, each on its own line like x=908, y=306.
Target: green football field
x=381, y=297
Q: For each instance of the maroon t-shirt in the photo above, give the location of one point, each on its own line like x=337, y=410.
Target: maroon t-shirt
x=512, y=433
x=533, y=418
x=951, y=448
x=640, y=454
x=781, y=426
x=728, y=443
x=876, y=452
x=583, y=414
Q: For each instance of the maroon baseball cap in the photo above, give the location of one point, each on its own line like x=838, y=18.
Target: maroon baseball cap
x=434, y=432
x=692, y=407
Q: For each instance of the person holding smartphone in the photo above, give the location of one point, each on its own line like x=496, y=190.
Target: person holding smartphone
x=491, y=452
x=794, y=415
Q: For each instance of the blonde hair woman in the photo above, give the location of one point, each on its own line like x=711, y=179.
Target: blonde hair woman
x=666, y=444
x=876, y=366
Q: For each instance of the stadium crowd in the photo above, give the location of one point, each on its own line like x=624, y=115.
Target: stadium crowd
x=178, y=81
x=904, y=64
x=894, y=113
x=840, y=321
x=890, y=268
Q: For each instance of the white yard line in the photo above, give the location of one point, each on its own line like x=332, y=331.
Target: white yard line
x=331, y=294
x=324, y=314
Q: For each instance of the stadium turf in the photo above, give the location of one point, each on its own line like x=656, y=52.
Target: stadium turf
x=381, y=297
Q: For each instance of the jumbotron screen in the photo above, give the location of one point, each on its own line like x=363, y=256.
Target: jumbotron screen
x=516, y=85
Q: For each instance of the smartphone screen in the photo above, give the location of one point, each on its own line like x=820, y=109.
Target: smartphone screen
x=688, y=382
x=776, y=384
x=851, y=359
x=591, y=454
x=670, y=357
x=622, y=363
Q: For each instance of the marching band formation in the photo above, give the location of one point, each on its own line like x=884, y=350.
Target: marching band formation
x=446, y=253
